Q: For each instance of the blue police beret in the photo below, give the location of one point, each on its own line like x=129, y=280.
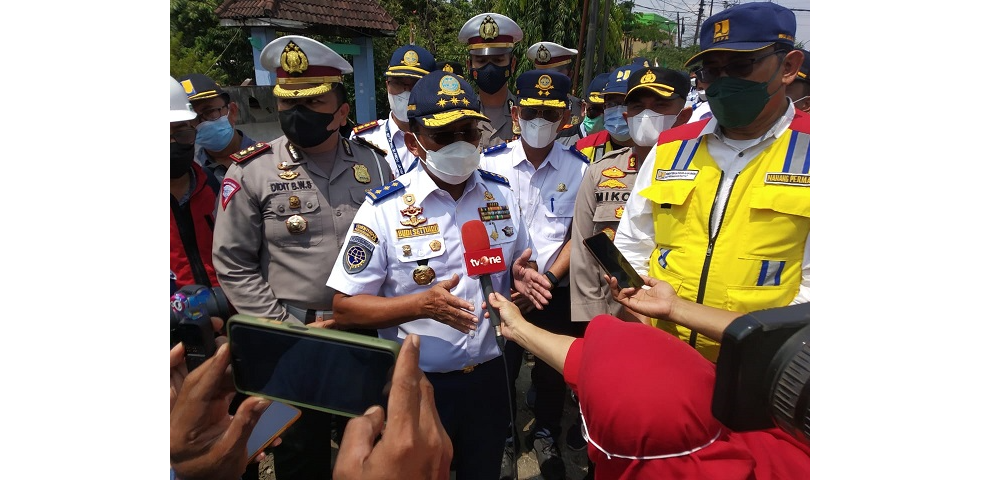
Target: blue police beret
x=541, y=87
x=745, y=28
x=441, y=98
x=411, y=61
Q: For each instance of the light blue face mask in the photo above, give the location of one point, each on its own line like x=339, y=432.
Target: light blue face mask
x=615, y=123
x=214, y=135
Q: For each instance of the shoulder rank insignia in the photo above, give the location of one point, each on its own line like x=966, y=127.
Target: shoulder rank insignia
x=365, y=127
x=613, y=172
x=250, y=152
x=382, y=192
x=495, y=148
x=367, y=143
x=579, y=155
x=491, y=176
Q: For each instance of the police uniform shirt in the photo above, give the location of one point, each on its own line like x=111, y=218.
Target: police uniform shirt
x=390, y=238
x=386, y=136
x=545, y=196
x=205, y=160
x=600, y=202
x=281, y=220
x=501, y=129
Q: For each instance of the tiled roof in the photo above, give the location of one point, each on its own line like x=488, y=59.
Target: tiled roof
x=361, y=15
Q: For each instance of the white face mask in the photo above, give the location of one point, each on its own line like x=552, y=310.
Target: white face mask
x=648, y=125
x=399, y=103
x=702, y=94
x=454, y=163
x=538, y=132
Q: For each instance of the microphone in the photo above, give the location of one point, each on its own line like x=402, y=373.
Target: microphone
x=481, y=261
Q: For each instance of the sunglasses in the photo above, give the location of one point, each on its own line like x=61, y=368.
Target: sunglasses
x=550, y=115
x=738, y=68
x=444, y=138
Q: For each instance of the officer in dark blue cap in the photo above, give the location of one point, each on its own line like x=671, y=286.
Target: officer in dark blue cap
x=402, y=270
x=216, y=137
x=544, y=175
x=615, y=134
x=592, y=113
x=407, y=65
x=753, y=156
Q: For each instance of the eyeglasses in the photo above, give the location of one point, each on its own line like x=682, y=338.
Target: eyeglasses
x=594, y=110
x=550, y=115
x=212, y=114
x=183, y=136
x=738, y=68
x=449, y=137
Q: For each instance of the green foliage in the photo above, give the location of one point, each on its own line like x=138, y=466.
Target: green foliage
x=671, y=57
x=200, y=45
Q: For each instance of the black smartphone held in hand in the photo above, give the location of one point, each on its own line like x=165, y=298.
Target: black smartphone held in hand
x=274, y=421
x=612, y=261
x=328, y=370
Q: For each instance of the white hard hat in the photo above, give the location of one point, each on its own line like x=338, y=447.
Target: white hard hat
x=180, y=107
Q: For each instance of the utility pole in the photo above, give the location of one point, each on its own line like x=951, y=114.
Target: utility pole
x=678, y=28
x=603, y=34
x=591, y=43
x=702, y=5
x=711, y=2
x=579, y=47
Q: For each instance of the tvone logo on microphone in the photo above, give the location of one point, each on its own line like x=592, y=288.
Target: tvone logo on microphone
x=486, y=260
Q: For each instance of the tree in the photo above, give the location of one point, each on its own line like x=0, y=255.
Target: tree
x=200, y=45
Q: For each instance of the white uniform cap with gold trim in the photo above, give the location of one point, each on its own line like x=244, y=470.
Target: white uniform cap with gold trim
x=490, y=34
x=300, y=60
x=549, y=55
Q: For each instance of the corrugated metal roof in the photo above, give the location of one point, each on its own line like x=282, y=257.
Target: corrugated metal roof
x=363, y=15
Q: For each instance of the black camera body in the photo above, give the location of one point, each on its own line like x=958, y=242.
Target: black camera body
x=192, y=307
x=763, y=372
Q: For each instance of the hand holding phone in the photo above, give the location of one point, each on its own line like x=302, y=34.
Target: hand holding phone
x=275, y=419
x=612, y=261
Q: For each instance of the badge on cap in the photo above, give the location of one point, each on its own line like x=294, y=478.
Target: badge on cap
x=450, y=86
x=489, y=28
x=648, y=77
x=542, y=55
x=293, y=60
x=296, y=224
x=544, y=85
x=448, y=68
x=411, y=58
x=361, y=174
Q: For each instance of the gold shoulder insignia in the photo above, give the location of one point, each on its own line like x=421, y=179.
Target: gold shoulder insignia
x=366, y=126
x=367, y=143
x=250, y=152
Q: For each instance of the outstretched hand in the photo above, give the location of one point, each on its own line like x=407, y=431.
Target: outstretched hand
x=446, y=308
x=656, y=299
x=529, y=282
x=413, y=444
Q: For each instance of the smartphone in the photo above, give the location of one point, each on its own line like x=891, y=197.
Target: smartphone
x=331, y=371
x=198, y=338
x=612, y=261
x=277, y=418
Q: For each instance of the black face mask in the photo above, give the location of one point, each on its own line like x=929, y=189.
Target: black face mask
x=491, y=77
x=304, y=127
x=181, y=157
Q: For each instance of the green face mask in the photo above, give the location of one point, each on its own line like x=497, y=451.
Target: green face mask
x=737, y=102
x=593, y=124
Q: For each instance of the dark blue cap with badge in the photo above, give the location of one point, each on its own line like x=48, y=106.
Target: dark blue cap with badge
x=596, y=88
x=804, y=71
x=201, y=87
x=746, y=28
x=411, y=61
x=540, y=87
x=441, y=98
x=662, y=81
x=617, y=82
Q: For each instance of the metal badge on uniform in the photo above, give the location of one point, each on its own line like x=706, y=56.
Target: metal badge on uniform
x=294, y=152
x=632, y=163
x=413, y=213
x=488, y=196
x=289, y=175
x=609, y=232
x=284, y=165
x=296, y=224
x=508, y=230
x=347, y=147
x=619, y=212
x=361, y=174
x=423, y=275
x=294, y=202
x=494, y=232
x=561, y=187
x=407, y=250
x=409, y=199
x=435, y=245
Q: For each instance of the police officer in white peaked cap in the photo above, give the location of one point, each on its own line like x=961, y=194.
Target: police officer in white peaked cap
x=552, y=56
x=284, y=209
x=490, y=39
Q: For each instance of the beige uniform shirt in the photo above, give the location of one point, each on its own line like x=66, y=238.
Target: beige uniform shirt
x=600, y=202
x=282, y=219
x=504, y=130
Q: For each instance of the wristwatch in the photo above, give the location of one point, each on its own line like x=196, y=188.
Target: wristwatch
x=552, y=279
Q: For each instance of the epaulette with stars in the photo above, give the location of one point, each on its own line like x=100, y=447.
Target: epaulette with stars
x=496, y=148
x=383, y=192
x=581, y=156
x=367, y=143
x=492, y=176
x=250, y=152
x=366, y=126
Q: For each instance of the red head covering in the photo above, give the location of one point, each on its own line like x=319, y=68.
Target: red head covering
x=645, y=393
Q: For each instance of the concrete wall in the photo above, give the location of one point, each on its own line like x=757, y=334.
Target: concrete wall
x=257, y=111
